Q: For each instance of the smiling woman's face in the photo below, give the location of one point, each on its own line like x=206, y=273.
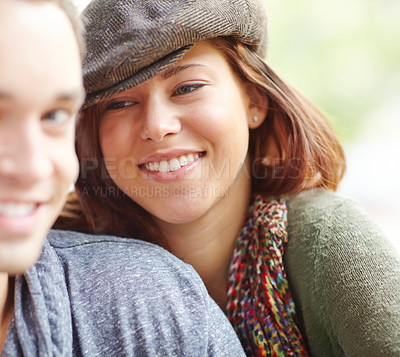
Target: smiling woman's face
x=40, y=93
x=177, y=143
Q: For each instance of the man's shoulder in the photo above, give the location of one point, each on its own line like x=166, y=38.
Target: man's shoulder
x=108, y=253
x=65, y=239
x=136, y=297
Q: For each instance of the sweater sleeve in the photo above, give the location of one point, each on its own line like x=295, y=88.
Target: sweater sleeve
x=344, y=276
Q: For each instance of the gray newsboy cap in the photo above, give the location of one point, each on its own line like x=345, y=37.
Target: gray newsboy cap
x=130, y=41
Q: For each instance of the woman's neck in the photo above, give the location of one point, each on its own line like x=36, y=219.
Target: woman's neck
x=208, y=243
x=6, y=306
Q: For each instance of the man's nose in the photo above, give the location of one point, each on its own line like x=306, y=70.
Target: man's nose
x=23, y=157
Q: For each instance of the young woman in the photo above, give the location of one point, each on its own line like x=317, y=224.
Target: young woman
x=190, y=140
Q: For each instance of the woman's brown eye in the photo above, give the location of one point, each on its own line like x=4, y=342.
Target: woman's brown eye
x=119, y=105
x=188, y=88
x=184, y=89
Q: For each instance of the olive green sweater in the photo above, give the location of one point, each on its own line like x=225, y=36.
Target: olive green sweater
x=344, y=277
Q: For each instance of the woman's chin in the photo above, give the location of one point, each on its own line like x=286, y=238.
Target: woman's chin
x=180, y=209
x=182, y=215
x=184, y=218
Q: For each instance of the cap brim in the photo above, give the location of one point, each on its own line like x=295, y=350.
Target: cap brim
x=136, y=78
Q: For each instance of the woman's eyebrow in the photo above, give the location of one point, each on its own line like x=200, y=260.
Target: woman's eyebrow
x=176, y=69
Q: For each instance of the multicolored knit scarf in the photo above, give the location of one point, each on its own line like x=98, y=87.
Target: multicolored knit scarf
x=260, y=306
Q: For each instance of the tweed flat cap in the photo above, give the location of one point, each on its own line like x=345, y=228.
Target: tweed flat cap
x=130, y=41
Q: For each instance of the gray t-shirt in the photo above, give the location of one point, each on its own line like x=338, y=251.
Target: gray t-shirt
x=108, y=296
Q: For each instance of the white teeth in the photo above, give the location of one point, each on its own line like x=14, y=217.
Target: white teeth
x=164, y=167
x=183, y=161
x=190, y=158
x=172, y=165
x=16, y=209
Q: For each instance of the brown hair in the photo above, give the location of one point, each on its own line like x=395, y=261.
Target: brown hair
x=295, y=148
x=292, y=150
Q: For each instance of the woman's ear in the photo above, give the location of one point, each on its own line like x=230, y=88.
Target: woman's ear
x=258, y=108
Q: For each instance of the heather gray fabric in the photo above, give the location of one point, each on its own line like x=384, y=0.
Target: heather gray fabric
x=41, y=322
x=127, y=298
x=129, y=41
x=344, y=277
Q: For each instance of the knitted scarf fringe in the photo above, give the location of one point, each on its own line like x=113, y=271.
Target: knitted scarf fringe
x=260, y=306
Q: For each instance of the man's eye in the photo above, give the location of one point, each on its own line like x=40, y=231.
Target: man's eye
x=119, y=105
x=59, y=116
x=188, y=88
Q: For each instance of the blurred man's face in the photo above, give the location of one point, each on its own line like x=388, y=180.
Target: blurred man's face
x=40, y=93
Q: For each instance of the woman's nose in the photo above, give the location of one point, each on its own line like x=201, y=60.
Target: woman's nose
x=160, y=119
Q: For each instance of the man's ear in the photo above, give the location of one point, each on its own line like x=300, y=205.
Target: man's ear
x=258, y=108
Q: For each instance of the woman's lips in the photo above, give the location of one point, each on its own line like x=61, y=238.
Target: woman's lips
x=173, y=164
x=175, y=168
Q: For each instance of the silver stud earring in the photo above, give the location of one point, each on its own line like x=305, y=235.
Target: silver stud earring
x=255, y=119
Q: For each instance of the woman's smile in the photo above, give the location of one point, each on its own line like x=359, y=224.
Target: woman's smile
x=171, y=165
x=175, y=168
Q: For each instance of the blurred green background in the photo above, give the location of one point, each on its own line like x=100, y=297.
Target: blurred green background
x=344, y=55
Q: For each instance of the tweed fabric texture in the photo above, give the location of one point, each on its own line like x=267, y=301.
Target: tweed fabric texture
x=130, y=41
